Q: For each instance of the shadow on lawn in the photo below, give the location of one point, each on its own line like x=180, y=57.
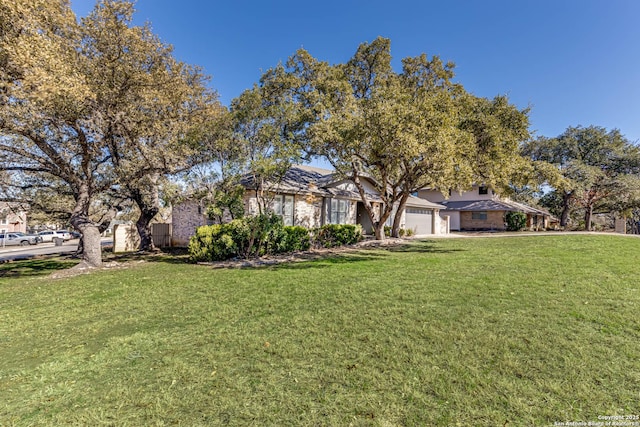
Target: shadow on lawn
x=35, y=267
x=423, y=246
x=324, y=260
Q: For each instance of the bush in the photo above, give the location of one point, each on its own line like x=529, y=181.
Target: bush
x=401, y=232
x=264, y=235
x=516, y=221
x=332, y=235
x=296, y=238
x=214, y=243
x=244, y=237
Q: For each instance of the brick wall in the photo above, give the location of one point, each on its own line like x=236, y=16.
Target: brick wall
x=494, y=221
x=187, y=216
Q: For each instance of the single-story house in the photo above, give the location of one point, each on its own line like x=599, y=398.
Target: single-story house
x=311, y=197
x=484, y=210
x=13, y=217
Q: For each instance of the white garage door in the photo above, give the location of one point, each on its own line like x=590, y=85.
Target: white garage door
x=419, y=220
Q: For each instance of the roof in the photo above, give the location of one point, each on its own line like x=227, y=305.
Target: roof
x=417, y=202
x=493, y=205
x=305, y=179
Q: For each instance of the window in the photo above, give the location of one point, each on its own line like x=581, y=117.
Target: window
x=483, y=190
x=283, y=206
x=479, y=216
x=339, y=211
x=3, y=218
x=418, y=211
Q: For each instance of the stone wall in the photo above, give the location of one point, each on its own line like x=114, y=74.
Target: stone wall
x=308, y=210
x=187, y=216
x=494, y=221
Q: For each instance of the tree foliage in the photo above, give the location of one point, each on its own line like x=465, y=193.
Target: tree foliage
x=599, y=170
x=402, y=131
x=98, y=107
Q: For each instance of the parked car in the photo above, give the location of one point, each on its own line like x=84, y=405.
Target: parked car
x=37, y=238
x=14, y=239
x=66, y=235
x=75, y=234
x=49, y=235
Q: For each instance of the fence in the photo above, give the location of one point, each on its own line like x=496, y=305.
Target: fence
x=126, y=238
x=161, y=234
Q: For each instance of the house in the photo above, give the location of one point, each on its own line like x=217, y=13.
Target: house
x=13, y=217
x=311, y=197
x=483, y=209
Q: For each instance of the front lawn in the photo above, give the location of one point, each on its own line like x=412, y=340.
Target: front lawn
x=519, y=331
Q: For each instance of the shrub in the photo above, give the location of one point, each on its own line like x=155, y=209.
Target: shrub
x=332, y=235
x=213, y=243
x=244, y=237
x=265, y=235
x=401, y=232
x=516, y=221
x=296, y=238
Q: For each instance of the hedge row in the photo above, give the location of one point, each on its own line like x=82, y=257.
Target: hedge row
x=265, y=235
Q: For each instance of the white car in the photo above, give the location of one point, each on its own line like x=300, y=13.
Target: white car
x=66, y=235
x=49, y=235
x=12, y=239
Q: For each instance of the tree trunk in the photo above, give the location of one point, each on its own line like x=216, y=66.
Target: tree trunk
x=102, y=227
x=146, y=196
x=588, y=213
x=378, y=229
x=378, y=226
x=91, y=247
x=566, y=208
x=395, y=230
x=143, y=225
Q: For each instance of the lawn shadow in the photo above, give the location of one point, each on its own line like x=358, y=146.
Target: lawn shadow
x=35, y=267
x=328, y=259
x=163, y=255
x=422, y=246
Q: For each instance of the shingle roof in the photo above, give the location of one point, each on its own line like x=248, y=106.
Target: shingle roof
x=417, y=202
x=304, y=179
x=493, y=205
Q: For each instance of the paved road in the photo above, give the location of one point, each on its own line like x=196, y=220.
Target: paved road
x=21, y=252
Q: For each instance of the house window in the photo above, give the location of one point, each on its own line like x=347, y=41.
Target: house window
x=483, y=190
x=283, y=206
x=3, y=219
x=479, y=216
x=339, y=211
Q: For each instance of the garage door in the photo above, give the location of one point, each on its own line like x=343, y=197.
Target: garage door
x=419, y=220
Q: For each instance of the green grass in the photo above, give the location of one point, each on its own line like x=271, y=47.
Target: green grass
x=521, y=331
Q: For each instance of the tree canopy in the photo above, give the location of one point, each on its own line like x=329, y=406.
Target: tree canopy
x=98, y=106
x=600, y=169
x=401, y=130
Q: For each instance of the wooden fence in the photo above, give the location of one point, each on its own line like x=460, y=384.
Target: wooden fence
x=161, y=235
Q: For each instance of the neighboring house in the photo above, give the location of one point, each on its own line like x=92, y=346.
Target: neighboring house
x=13, y=217
x=482, y=209
x=311, y=197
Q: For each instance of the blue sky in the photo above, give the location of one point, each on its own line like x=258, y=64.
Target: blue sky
x=574, y=62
